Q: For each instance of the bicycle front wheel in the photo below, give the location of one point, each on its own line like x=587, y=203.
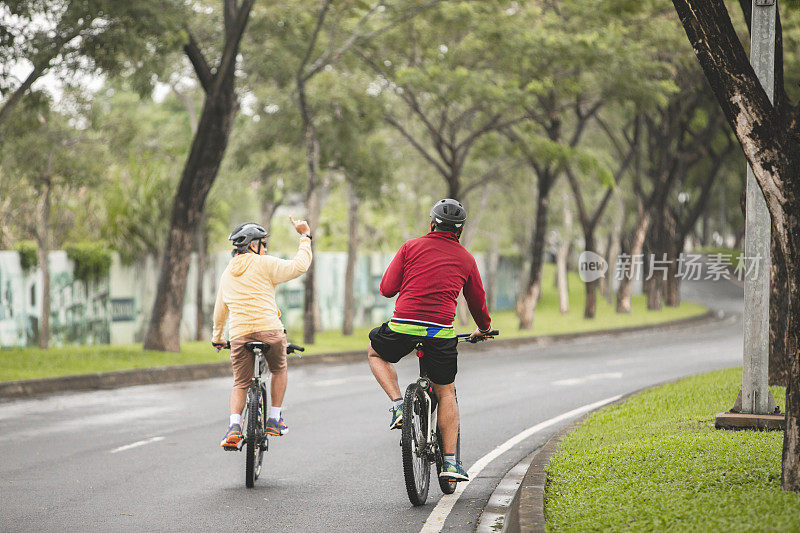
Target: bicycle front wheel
x=416, y=467
x=254, y=434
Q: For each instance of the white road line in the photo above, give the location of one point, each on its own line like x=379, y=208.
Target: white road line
x=590, y=377
x=435, y=521
x=137, y=444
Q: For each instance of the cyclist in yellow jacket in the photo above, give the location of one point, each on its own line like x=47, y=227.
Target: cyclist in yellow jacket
x=247, y=293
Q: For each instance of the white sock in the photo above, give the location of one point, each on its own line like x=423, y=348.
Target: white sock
x=274, y=412
x=450, y=458
x=236, y=419
x=397, y=403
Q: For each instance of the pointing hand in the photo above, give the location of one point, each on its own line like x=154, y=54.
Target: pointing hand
x=301, y=226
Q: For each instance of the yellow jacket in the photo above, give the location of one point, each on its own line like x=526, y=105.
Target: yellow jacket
x=247, y=291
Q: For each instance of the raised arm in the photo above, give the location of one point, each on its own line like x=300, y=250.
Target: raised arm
x=282, y=270
x=393, y=277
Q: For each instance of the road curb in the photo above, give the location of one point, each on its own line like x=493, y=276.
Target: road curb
x=167, y=374
x=526, y=512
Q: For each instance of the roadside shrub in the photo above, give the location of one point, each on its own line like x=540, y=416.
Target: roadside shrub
x=92, y=260
x=28, y=255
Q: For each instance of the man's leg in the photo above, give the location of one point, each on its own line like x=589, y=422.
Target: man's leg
x=238, y=397
x=278, y=387
x=384, y=373
x=448, y=416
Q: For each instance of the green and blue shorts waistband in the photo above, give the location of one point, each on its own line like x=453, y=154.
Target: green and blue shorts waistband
x=421, y=329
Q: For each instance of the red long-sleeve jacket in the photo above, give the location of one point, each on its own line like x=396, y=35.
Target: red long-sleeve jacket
x=429, y=272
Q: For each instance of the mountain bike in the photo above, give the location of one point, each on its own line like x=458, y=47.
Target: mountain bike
x=256, y=410
x=421, y=440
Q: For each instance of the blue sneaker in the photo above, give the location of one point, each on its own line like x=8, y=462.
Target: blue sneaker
x=453, y=472
x=276, y=428
x=397, y=417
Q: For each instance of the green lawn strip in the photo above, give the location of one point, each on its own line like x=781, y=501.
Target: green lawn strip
x=733, y=253
x=31, y=363
x=656, y=462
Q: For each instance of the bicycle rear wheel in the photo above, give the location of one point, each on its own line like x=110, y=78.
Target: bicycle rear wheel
x=254, y=434
x=416, y=467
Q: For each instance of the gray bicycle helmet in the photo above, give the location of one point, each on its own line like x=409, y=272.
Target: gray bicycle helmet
x=448, y=214
x=243, y=234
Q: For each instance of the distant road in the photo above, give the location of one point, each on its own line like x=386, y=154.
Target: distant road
x=147, y=458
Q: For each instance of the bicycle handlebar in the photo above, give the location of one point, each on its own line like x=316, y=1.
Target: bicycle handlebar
x=488, y=335
x=289, y=348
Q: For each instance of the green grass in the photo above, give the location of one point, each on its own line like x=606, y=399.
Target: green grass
x=734, y=253
x=30, y=363
x=656, y=463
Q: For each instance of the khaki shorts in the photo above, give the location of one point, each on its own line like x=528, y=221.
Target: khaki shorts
x=243, y=360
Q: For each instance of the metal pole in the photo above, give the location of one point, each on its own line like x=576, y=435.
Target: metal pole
x=755, y=396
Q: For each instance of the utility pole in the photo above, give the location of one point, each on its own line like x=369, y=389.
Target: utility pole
x=755, y=406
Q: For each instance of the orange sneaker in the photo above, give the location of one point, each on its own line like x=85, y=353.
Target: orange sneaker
x=232, y=438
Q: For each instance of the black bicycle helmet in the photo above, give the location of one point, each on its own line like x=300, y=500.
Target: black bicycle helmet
x=448, y=214
x=243, y=234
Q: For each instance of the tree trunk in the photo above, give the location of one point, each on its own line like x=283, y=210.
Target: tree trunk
x=268, y=209
x=672, y=285
x=778, y=315
x=352, y=257
x=790, y=468
x=454, y=188
x=313, y=209
x=614, y=248
x=561, y=269
x=12, y=101
x=774, y=157
x=673, y=243
x=562, y=258
x=199, y=173
x=202, y=262
x=626, y=283
x=723, y=214
x=590, y=307
x=43, y=251
x=652, y=287
x=526, y=304
x=604, y=281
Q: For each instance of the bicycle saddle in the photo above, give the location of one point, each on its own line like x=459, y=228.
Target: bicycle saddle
x=257, y=345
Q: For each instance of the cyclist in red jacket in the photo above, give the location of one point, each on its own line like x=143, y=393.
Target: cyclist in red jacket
x=428, y=273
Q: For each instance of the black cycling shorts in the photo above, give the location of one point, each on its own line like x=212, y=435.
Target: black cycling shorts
x=440, y=355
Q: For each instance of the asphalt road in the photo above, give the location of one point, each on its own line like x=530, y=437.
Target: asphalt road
x=67, y=463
